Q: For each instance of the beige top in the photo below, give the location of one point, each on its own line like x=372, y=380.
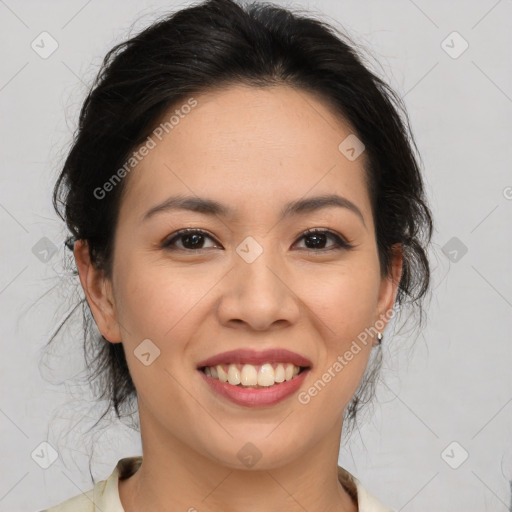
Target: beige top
x=104, y=496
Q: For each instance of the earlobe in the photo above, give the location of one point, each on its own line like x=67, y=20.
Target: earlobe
x=98, y=292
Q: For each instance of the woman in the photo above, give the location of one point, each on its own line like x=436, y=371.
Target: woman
x=246, y=211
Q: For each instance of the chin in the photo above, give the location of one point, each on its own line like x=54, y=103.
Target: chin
x=255, y=453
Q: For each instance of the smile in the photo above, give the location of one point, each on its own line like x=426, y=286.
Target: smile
x=248, y=375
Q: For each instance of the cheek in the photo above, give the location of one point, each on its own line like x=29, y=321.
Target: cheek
x=342, y=306
x=344, y=316
x=343, y=298
x=156, y=307
x=165, y=306
x=154, y=300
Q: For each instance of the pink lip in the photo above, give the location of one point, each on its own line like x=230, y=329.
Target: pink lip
x=252, y=397
x=256, y=358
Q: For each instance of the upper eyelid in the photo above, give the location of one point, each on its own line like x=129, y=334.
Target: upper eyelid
x=185, y=231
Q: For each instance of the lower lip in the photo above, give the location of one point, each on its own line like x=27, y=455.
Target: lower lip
x=253, y=397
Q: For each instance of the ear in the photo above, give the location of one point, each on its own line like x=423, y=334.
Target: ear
x=98, y=291
x=389, y=287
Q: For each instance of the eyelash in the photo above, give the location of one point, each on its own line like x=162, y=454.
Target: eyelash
x=340, y=244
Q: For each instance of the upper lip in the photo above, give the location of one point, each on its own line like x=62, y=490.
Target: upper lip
x=277, y=355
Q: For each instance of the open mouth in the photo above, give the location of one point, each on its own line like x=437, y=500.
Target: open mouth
x=254, y=376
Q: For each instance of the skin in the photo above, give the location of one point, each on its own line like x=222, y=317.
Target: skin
x=253, y=150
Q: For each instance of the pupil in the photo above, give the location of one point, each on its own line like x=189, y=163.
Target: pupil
x=317, y=243
x=194, y=237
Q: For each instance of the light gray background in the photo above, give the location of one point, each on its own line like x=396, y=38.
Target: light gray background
x=454, y=385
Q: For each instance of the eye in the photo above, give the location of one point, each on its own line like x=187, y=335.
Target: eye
x=318, y=237
x=192, y=240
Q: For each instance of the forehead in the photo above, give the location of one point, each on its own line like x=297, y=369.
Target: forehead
x=249, y=147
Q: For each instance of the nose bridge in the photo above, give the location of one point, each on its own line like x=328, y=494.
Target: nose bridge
x=258, y=293
x=257, y=266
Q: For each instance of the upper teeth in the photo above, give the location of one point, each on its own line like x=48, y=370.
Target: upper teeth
x=250, y=375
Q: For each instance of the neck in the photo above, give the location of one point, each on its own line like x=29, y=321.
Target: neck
x=173, y=473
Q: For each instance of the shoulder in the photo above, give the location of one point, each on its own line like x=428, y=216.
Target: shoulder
x=104, y=495
x=366, y=502
x=84, y=502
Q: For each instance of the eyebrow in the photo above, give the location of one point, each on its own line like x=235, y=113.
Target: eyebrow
x=212, y=207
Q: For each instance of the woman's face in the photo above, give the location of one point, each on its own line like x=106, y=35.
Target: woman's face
x=253, y=280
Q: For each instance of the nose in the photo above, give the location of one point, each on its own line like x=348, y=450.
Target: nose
x=258, y=294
